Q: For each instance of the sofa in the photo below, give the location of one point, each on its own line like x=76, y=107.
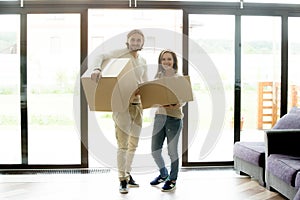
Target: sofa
x=282, y=155
x=249, y=159
x=283, y=161
x=275, y=162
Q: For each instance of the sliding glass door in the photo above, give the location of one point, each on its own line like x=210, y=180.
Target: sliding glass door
x=233, y=57
x=211, y=67
x=293, y=57
x=10, y=119
x=260, y=75
x=107, y=31
x=53, y=67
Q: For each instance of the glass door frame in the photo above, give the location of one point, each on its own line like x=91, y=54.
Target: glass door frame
x=248, y=10
x=30, y=7
x=23, y=86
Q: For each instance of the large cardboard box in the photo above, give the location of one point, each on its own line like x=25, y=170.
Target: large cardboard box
x=118, y=83
x=164, y=91
x=114, y=89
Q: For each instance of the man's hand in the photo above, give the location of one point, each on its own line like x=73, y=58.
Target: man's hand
x=96, y=75
x=137, y=92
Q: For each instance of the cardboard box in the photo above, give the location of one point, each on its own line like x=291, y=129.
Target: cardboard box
x=114, y=89
x=118, y=83
x=164, y=91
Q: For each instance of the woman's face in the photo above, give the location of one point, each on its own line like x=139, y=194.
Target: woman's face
x=167, y=61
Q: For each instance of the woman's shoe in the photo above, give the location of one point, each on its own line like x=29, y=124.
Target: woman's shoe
x=158, y=180
x=169, y=186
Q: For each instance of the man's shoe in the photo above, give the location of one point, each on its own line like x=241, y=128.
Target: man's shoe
x=132, y=183
x=123, y=187
x=169, y=186
x=158, y=180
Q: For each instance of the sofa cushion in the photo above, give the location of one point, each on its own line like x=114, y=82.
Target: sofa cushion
x=297, y=181
x=284, y=167
x=253, y=152
x=291, y=120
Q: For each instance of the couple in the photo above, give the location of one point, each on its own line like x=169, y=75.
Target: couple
x=167, y=122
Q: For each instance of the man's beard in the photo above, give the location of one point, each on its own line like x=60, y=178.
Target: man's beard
x=135, y=50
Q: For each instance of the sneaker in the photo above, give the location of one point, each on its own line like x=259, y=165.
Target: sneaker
x=169, y=186
x=158, y=180
x=132, y=183
x=123, y=187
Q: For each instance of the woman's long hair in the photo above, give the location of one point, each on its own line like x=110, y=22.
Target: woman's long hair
x=160, y=70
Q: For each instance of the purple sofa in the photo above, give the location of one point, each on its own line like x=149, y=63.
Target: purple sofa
x=282, y=151
x=275, y=162
x=283, y=161
x=249, y=159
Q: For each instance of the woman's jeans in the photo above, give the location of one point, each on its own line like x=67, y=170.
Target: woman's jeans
x=170, y=128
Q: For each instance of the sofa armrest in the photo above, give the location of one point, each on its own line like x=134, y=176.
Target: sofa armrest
x=282, y=141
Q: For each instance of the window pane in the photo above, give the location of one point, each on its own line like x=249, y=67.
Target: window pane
x=294, y=59
x=260, y=74
x=53, y=69
x=215, y=35
x=10, y=126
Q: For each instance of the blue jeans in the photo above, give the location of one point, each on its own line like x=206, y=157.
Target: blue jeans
x=170, y=128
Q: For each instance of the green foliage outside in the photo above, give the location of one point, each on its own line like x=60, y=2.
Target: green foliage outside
x=253, y=47
x=51, y=120
x=8, y=120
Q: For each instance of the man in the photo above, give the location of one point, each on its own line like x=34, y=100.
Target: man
x=128, y=124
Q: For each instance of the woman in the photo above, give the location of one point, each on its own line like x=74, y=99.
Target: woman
x=167, y=124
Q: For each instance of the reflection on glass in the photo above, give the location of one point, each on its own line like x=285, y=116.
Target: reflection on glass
x=215, y=35
x=53, y=70
x=294, y=60
x=260, y=74
x=10, y=126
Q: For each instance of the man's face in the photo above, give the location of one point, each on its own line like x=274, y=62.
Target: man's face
x=135, y=42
